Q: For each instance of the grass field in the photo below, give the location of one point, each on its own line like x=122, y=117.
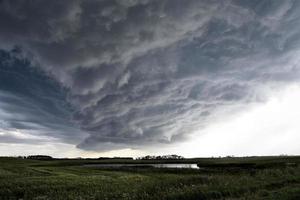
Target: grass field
x=227, y=178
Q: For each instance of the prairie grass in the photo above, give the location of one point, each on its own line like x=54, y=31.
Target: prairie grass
x=265, y=178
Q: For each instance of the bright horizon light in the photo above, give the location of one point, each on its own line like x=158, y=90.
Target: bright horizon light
x=271, y=128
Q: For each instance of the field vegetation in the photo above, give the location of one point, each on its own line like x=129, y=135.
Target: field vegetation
x=267, y=178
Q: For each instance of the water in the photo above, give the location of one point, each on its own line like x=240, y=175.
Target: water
x=169, y=165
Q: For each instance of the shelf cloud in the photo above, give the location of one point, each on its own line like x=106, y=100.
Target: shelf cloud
x=114, y=74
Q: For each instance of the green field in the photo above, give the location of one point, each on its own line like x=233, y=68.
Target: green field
x=226, y=178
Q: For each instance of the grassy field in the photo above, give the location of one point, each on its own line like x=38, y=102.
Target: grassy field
x=227, y=178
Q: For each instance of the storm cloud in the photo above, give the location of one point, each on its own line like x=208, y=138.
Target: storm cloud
x=132, y=73
x=33, y=107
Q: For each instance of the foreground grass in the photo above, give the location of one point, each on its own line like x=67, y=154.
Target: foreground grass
x=264, y=178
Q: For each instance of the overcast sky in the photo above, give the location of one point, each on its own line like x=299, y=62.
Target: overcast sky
x=135, y=77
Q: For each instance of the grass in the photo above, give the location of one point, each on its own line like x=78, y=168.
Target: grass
x=264, y=178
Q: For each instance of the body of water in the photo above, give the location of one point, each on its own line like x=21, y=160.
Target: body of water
x=162, y=165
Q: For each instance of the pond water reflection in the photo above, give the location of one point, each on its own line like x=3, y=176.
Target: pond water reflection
x=161, y=165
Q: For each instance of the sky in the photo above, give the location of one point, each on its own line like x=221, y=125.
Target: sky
x=136, y=77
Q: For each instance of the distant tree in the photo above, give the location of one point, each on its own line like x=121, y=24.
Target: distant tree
x=39, y=157
x=123, y=158
x=165, y=157
x=103, y=158
x=21, y=157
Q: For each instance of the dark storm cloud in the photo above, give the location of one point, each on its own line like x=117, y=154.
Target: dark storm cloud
x=31, y=103
x=142, y=73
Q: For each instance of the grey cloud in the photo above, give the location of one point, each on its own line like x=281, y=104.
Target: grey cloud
x=32, y=103
x=34, y=121
x=142, y=73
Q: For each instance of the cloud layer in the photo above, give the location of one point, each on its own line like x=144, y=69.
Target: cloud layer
x=33, y=108
x=143, y=73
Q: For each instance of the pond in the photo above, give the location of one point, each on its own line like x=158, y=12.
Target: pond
x=161, y=165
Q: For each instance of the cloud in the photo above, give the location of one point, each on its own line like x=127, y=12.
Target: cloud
x=33, y=108
x=271, y=128
x=144, y=73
